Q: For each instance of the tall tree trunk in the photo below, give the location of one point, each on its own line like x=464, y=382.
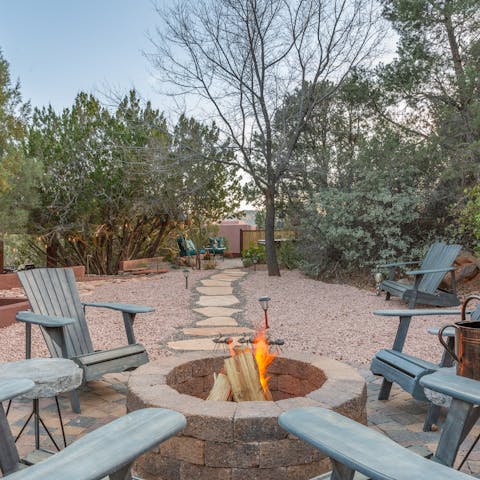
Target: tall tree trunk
x=272, y=263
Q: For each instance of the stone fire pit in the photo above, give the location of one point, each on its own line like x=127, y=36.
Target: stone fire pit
x=241, y=441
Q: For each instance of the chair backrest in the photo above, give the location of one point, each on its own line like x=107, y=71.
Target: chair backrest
x=191, y=247
x=53, y=291
x=181, y=242
x=475, y=315
x=439, y=255
x=212, y=242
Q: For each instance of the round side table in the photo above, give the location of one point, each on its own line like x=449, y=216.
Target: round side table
x=51, y=377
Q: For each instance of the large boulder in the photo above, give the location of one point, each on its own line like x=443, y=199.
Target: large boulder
x=468, y=267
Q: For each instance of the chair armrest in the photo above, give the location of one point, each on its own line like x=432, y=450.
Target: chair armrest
x=121, y=307
x=354, y=447
x=455, y=386
x=43, y=320
x=398, y=264
x=417, y=313
x=13, y=387
x=433, y=270
x=108, y=449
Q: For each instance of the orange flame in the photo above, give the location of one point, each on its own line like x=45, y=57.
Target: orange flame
x=263, y=357
x=231, y=347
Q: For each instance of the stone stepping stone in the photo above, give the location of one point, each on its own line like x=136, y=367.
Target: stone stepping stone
x=216, y=283
x=217, y=322
x=214, y=331
x=215, y=290
x=199, y=344
x=224, y=278
x=217, y=300
x=235, y=273
x=216, y=311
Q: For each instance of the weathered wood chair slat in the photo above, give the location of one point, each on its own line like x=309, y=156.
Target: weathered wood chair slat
x=10, y=388
x=53, y=294
x=356, y=448
x=109, y=450
x=425, y=288
x=50, y=292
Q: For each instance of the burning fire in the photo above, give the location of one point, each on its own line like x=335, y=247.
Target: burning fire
x=263, y=357
x=244, y=375
x=262, y=354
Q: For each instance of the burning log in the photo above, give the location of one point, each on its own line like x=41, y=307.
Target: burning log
x=245, y=374
x=221, y=390
x=242, y=374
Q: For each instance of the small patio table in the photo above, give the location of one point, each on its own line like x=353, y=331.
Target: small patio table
x=51, y=377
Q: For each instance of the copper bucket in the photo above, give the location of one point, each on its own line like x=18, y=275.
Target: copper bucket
x=467, y=344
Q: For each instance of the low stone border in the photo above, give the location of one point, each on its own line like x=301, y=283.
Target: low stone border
x=9, y=307
x=241, y=441
x=11, y=280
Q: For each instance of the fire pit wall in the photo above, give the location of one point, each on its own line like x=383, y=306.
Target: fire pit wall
x=241, y=441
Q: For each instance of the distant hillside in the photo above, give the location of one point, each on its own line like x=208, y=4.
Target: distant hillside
x=247, y=216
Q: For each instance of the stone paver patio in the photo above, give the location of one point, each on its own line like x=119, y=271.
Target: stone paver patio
x=401, y=418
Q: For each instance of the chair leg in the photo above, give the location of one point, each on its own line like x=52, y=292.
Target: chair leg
x=385, y=390
x=75, y=401
x=460, y=420
x=341, y=472
x=387, y=296
x=433, y=413
x=123, y=474
x=9, y=459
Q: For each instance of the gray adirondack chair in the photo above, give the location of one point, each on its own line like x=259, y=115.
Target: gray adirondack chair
x=353, y=447
x=395, y=366
x=108, y=451
x=54, y=299
x=424, y=290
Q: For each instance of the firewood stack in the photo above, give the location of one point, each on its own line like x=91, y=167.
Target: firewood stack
x=239, y=380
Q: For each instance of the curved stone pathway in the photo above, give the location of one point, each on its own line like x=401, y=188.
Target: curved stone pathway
x=217, y=304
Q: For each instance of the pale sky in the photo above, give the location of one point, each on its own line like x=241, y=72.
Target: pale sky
x=57, y=48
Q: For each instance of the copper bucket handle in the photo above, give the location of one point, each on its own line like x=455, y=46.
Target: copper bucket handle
x=465, y=303
x=463, y=313
x=444, y=344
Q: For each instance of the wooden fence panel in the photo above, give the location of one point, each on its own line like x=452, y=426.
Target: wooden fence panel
x=247, y=236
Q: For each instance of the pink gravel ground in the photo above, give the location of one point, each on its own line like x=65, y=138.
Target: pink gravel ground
x=334, y=320
x=311, y=316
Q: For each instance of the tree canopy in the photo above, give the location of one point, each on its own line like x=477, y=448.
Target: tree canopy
x=18, y=172
x=116, y=182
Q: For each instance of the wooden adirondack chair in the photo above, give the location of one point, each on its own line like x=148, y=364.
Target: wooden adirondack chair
x=353, y=447
x=188, y=249
x=216, y=246
x=54, y=299
x=108, y=451
x=424, y=290
x=407, y=371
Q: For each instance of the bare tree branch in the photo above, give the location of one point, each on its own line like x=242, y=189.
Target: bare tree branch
x=246, y=57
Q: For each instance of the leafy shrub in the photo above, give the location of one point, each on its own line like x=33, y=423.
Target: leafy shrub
x=288, y=255
x=252, y=253
x=21, y=249
x=345, y=230
x=469, y=221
